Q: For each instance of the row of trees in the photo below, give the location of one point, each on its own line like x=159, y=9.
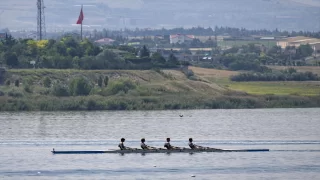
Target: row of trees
x=290, y=74
x=70, y=53
x=254, y=58
x=202, y=31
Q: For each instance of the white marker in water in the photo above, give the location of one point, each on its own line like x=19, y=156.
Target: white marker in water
x=193, y=175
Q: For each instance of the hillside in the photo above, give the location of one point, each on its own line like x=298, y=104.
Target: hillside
x=251, y=14
x=150, y=89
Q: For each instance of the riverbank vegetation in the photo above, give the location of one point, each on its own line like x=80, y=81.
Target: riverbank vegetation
x=51, y=89
x=67, y=74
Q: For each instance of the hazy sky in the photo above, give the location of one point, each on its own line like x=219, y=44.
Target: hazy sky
x=252, y=14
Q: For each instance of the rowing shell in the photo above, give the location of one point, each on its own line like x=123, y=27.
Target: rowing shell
x=158, y=151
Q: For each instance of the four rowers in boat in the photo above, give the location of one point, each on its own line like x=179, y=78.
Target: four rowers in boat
x=166, y=145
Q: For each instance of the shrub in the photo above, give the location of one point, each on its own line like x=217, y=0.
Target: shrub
x=17, y=83
x=1, y=93
x=100, y=81
x=28, y=81
x=116, y=87
x=122, y=85
x=47, y=82
x=79, y=87
x=60, y=90
x=289, y=75
x=8, y=82
x=189, y=74
x=106, y=81
x=15, y=94
x=27, y=89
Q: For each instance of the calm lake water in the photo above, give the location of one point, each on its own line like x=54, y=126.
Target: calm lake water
x=292, y=135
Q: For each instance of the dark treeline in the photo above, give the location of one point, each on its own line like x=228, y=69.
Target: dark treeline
x=290, y=74
x=201, y=31
x=67, y=52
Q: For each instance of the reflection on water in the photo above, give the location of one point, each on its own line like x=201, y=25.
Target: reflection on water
x=292, y=135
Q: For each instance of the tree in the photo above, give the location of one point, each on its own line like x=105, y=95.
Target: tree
x=172, y=61
x=47, y=82
x=157, y=59
x=144, y=52
x=11, y=59
x=17, y=83
x=106, y=81
x=100, y=81
x=304, y=51
x=8, y=82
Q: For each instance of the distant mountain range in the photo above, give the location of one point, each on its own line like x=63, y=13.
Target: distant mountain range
x=116, y=14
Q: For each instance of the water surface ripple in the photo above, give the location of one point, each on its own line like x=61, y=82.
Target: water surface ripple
x=292, y=135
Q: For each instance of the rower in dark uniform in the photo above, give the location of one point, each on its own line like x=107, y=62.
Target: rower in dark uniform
x=193, y=146
x=197, y=147
x=144, y=146
x=122, y=146
x=169, y=146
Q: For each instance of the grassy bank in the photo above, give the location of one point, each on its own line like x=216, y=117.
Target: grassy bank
x=282, y=88
x=151, y=90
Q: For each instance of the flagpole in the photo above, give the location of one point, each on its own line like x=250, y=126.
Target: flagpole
x=81, y=23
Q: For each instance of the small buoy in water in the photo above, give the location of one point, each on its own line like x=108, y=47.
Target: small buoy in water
x=193, y=176
x=181, y=115
x=154, y=166
x=39, y=172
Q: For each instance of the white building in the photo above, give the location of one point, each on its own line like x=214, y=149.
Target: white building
x=180, y=38
x=105, y=41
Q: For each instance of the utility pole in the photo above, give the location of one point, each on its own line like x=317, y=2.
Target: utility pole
x=41, y=27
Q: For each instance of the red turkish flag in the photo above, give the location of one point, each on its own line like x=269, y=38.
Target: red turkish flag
x=81, y=17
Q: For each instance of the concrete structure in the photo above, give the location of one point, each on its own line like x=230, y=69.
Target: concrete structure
x=181, y=38
x=300, y=40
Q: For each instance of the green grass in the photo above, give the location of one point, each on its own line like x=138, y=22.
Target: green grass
x=277, y=88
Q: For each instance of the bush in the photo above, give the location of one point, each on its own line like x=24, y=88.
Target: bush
x=17, y=83
x=1, y=93
x=119, y=86
x=47, y=82
x=15, y=94
x=106, y=81
x=27, y=89
x=28, y=81
x=60, y=90
x=100, y=81
x=289, y=75
x=93, y=105
x=8, y=82
x=79, y=87
x=189, y=73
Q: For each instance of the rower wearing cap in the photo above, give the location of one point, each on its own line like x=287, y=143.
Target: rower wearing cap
x=169, y=146
x=144, y=146
x=122, y=146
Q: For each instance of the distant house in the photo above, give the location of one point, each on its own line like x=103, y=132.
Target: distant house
x=300, y=40
x=181, y=38
x=105, y=41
